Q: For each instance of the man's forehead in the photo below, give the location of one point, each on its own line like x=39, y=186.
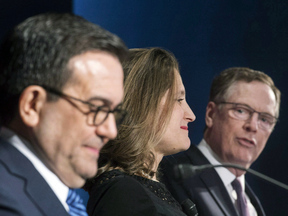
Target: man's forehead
x=98, y=75
x=255, y=94
x=93, y=62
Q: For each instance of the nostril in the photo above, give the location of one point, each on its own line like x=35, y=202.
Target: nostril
x=190, y=119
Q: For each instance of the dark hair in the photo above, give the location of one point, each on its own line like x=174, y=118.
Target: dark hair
x=38, y=50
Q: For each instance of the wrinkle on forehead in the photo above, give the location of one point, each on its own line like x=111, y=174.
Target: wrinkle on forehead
x=255, y=94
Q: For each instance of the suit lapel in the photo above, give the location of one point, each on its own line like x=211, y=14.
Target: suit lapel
x=218, y=191
x=212, y=181
x=36, y=188
x=254, y=200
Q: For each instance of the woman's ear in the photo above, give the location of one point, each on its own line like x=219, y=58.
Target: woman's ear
x=31, y=102
x=210, y=114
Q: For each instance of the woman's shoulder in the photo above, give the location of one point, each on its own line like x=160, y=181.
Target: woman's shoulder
x=114, y=177
x=117, y=183
x=118, y=193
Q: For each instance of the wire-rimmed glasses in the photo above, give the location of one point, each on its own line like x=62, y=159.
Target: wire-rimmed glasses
x=244, y=112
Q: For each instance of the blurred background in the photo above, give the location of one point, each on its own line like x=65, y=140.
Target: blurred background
x=206, y=37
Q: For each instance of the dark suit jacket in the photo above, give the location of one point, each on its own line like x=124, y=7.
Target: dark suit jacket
x=23, y=191
x=206, y=189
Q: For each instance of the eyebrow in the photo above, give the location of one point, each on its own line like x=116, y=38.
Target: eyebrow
x=181, y=92
x=106, y=102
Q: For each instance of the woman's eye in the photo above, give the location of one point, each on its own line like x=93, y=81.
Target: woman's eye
x=180, y=99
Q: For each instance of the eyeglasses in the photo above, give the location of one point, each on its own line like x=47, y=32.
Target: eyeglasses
x=244, y=112
x=96, y=114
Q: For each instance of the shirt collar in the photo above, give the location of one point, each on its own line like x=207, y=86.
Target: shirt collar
x=58, y=187
x=226, y=176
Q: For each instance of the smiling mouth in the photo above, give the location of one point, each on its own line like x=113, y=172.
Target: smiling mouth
x=92, y=149
x=184, y=128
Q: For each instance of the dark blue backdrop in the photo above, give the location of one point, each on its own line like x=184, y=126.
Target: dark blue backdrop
x=207, y=37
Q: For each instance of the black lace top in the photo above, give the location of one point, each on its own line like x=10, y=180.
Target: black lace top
x=117, y=193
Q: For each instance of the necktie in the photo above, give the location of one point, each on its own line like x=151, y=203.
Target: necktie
x=75, y=203
x=241, y=199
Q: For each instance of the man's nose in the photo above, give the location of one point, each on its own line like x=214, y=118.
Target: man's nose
x=108, y=128
x=252, y=123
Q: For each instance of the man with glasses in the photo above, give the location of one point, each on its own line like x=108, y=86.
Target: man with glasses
x=241, y=114
x=61, y=87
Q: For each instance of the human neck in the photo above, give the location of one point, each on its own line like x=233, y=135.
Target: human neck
x=158, y=158
x=222, y=159
x=19, y=128
x=237, y=172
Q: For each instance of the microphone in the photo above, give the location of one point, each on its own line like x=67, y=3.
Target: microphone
x=183, y=171
x=189, y=208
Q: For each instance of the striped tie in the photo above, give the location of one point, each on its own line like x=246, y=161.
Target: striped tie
x=75, y=203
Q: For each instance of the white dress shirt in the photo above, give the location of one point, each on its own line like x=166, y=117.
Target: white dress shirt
x=226, y=176
x=59, y=188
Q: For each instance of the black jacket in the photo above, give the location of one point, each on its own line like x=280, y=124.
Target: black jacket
x=205, y=189
x=23, y=191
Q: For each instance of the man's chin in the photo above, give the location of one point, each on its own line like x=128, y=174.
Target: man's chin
x=90, y=173
x=75, y=182
x=244, y=162
x=78, y=181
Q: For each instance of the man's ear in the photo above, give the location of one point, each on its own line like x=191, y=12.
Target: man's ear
x=31, y=102
x=210, y=114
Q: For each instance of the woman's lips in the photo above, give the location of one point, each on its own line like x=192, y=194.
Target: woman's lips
x=184, y=128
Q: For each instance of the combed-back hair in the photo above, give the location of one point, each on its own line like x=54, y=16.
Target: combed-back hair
x=224, y=82
x=38, y=50
x=149, y=75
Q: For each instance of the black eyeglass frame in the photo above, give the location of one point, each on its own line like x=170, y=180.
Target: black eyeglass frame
x=253, y=111
x=97, y=108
